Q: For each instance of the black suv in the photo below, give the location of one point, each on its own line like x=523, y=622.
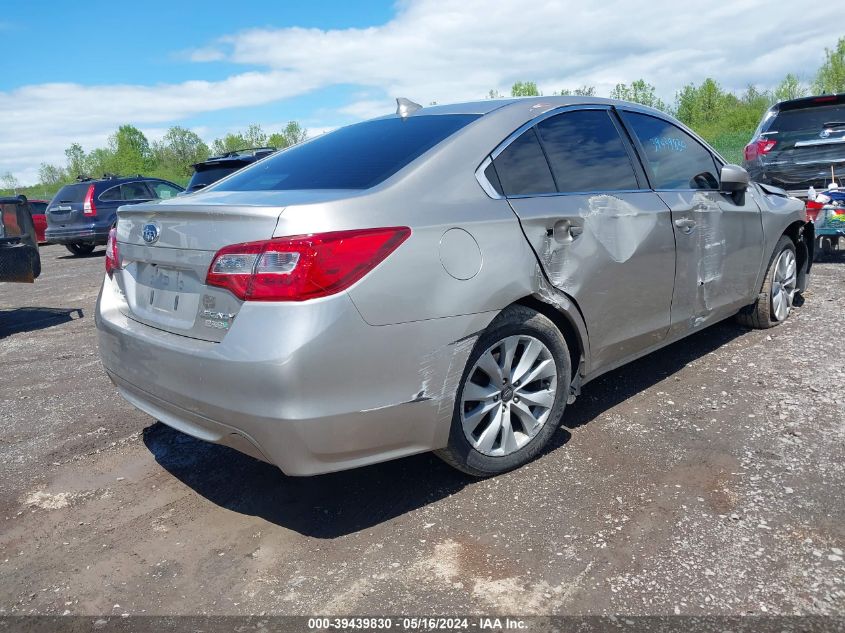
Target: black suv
x=217, y=167
x=81, y=214
x=797, y=142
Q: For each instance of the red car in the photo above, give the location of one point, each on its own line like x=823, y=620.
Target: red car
x=39, y=208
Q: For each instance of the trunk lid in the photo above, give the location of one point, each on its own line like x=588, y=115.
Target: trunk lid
x=163, y=276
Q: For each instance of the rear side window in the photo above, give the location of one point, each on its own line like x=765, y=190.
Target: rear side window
x=71, y=193
x=38, y=208
x=134, y=191
x=586, y=153
x=354, y=157
x=522, y=168
x=111, y=194
x=676, y=159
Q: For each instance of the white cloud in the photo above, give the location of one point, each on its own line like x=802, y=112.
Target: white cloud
x=438, y=50
x=444, y=51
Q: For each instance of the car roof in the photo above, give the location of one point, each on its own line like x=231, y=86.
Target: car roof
x=114, y=180
x=538, y=104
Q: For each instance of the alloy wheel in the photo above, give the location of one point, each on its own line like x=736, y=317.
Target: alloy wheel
x=784, y=284
x=508, y=395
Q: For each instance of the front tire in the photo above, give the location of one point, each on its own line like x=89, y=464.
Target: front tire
x=79, y=249
x=511, y=396
x=780, y=285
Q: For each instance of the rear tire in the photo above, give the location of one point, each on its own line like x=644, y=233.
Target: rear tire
x=774, y=303
x=79, y=249
x=512, y=394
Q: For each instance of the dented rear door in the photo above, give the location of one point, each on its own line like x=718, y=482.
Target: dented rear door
x=600, y=235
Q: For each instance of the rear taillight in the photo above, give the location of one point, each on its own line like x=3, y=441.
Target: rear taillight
x=758, y=148
x=112, y=253
x=302, y=266
x=89, y=207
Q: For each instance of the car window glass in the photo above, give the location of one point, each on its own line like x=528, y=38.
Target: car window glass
x=357, y=156
x=586, y=152
x=676, y=159
x=111, y=194
x=71, y=193
x=134, y=191
x=493, y=178
x=163, y=190
x=523, y=169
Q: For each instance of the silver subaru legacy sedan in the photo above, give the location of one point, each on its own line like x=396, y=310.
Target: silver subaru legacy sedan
x=443, y=279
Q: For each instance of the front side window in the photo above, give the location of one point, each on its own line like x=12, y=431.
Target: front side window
x=357, y=156
x=586, y=152
x=676, y=159
x=523, y=169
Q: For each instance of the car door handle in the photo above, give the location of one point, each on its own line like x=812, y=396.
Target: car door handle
x=685, y=224
x=564, y=231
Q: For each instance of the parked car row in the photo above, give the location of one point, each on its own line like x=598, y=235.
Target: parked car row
x=81, y=214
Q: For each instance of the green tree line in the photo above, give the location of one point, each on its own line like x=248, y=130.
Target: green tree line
x=724, y=119
x=128, y=152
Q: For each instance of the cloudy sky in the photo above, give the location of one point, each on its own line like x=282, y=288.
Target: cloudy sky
x=74, y=71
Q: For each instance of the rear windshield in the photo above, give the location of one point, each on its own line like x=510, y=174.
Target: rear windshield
x=72, y=193
x=809, y=119
x=358, y=156
x=209, y=175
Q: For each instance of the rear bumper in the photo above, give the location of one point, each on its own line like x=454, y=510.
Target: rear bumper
x=81, y=234
x=309, y=387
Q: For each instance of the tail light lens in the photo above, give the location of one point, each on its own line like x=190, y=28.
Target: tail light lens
x=302, y=267
x=758, y=148
x=89, y=207
x=112, y=253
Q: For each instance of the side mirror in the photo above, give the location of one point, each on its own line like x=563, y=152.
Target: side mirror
x=733, y=179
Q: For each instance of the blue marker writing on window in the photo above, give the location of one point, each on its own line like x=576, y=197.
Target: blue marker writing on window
x=668, y=143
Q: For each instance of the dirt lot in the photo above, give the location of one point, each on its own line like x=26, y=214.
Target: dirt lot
x=707, y=478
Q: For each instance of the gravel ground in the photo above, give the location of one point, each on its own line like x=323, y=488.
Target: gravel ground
x=707, y=478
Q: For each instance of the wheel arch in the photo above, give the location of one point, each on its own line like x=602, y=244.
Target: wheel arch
x=802, y=235
x=568, y=320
